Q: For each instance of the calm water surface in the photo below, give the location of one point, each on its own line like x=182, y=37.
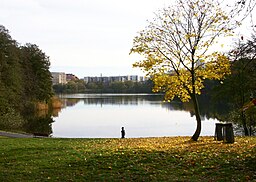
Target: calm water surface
x=103, y=115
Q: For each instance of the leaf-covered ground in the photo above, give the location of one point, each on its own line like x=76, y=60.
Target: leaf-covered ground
x=140, y=159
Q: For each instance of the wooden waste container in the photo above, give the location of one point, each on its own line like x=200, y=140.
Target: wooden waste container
x=228, y=133
x=219, y=131
x=224, y=131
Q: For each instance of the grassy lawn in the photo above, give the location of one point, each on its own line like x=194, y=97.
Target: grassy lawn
x=2, y=137
x=141, y=159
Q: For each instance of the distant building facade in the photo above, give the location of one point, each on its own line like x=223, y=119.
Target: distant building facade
x=59, y=78
x=133, y=78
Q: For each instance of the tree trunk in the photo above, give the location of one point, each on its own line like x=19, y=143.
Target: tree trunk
x=243, y=117
x=250, y=126
x=198, y=118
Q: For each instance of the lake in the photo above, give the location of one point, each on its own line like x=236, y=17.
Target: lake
x=142, y=115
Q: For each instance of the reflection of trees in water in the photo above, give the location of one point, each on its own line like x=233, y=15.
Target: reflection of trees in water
x=207, y=109
x=69, y=102
x=32, y=122
x=55, y=112
x=40, y=122
x=112, y=100
x=115, y=100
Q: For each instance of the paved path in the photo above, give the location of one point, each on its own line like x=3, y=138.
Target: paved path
x=15, y=135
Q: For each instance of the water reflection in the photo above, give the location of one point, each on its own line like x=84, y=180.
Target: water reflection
x=71, y=100
x=110, y=99
x=103, y=115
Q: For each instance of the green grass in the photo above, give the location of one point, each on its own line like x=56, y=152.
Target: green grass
x=141, y=159
x=2, y=137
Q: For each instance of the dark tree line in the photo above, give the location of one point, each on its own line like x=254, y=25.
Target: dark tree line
x=99, y=87
x=25, y=80
x=239, y=88
x=77, y=86
x=121, y=87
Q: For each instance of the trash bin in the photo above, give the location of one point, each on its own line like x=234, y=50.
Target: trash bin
x=224, y=131
x=228, y=133
x=219, y=131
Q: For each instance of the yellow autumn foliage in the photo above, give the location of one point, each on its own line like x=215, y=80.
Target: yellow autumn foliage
x=176, y=46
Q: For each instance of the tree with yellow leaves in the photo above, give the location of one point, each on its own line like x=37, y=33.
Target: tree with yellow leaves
x=177, y=47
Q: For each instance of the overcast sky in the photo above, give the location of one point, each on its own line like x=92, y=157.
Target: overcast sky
x=83, y=37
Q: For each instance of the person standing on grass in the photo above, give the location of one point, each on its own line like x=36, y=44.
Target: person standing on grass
x=122, y=133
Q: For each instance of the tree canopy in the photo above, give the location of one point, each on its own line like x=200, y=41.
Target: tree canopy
x=37, y=76
x=178, y=47
x=239, y=89
x=25, y=79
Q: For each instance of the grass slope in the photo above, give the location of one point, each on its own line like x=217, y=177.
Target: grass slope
x=140, y=159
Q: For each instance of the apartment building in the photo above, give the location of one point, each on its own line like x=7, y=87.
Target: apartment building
x=134, y=78
x=59, y=78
